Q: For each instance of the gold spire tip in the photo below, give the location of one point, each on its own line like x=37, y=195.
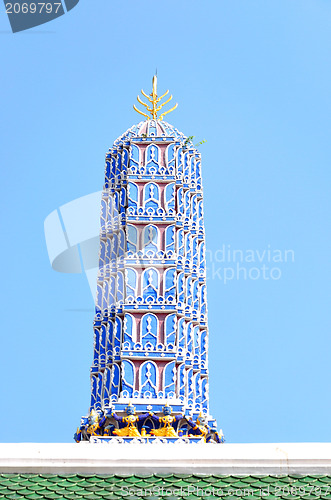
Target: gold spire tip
x=154, y=100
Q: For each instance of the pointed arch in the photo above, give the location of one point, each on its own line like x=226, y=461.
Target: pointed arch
x=107, y=299
x=151, y=196
x=195, y=297
x=123, y=199
x=195, y=256
x=148, y=379
x=117, y=336
x=190, y=386
x=196, y=337
x=121, y=243
x=204, y=348
x=151, y=239
x=106, y=386
x=131, y=282
x=129, y=329
x=131, y=238
x=181, y=333
x=181, y=288
x=94, y=386
x=197, y=388
x=203, y=300
x=170, y=284
x=202, y=259
x=120, y=288
x=125, y=161
x=180, y=200
x=152, y=158
x=188, y=248
x=200, y=215
x=189, y=337
x=189, y=291
x=180, y=162
x=150, y=283
x=187, y=203
x=181, y=380
x=118, y=166
x=102, y=343
x=170, y=329
x=169, y=197
x=170, y=238
x=134, y=155
x=132, y=195
x=115, y=379
x=149, y=330
x=198, y=174
x=180, y=242
x=128, y=378
x=103, y=214
x=170, y=155
x=169, y=375
x=113, y=248
x=204, y=394
x=110, y=339
x=192, y=170
x=186, y=167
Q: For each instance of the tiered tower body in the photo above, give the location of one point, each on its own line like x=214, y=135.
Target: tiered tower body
x=150, y=328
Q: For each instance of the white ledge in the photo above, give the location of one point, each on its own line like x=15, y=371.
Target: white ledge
x=262, y=458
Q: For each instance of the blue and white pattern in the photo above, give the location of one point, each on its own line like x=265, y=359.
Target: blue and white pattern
x=150, y=327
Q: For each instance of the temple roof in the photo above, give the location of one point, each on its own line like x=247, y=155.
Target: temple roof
x=163, y=486
x=165, y=471
x=151, y=128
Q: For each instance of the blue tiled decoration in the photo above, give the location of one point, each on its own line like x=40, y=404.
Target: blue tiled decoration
x=150, y=327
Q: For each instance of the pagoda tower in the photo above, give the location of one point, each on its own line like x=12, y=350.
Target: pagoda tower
x=150, y=328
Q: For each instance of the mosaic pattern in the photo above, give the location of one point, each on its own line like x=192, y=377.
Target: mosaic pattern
x=150, y=327
x=164, y=486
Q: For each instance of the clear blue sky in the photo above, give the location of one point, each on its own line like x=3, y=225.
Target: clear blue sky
x=253, y=79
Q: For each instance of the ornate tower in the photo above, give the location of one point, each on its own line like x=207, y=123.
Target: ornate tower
x=150, y=327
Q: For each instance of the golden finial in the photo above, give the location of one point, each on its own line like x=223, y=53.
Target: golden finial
x=154, y=100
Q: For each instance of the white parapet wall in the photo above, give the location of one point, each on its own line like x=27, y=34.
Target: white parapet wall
x=262, y=458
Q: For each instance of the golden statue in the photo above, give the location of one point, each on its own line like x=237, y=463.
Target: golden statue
x=131, y=421
x=167, y=423
x=93, y=428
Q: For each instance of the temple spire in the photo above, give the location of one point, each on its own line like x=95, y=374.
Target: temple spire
x=154, y=101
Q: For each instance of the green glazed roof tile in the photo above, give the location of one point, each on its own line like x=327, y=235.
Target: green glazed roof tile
x=110, y=496
x=48, y=494
x=182, y=476
x=309, y=497
x=270, y=479
x=170, y=486
x=153, y=479
x=29, y=476
x=228, y=479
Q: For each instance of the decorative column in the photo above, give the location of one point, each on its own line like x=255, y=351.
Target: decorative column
x=150, y=327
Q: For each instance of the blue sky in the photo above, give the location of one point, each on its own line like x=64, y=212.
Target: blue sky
x=253, y=79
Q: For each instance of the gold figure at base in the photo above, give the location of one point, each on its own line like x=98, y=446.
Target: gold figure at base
x=93, y=428
x=131, y=421
x=200, y=427
x=167, y=422
x=130, y=430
